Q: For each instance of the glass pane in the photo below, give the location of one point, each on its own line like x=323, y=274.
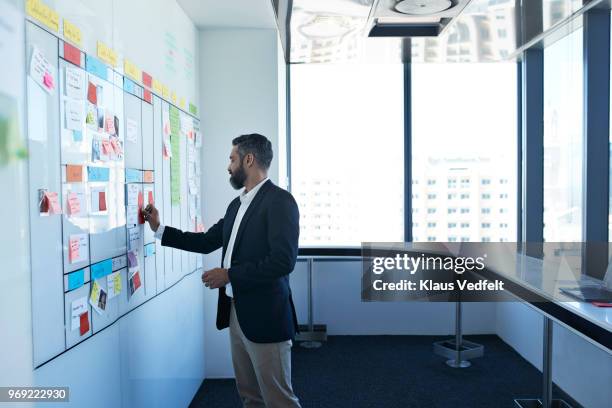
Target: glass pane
x=347, y=153
x=563, y=141
x=464, y=152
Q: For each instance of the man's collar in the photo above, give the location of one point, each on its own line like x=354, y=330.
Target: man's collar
x=253, y=191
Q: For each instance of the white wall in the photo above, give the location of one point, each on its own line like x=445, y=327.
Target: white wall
x=239, y=94
x=152, y=357
x=581, y=369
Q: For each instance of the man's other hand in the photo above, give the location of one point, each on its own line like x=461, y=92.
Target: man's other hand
x=215, y=278
x=151, y=215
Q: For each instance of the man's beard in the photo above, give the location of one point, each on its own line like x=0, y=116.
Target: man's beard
x=238, y=177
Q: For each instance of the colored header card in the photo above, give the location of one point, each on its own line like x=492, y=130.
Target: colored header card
x=147, y=80
x=98, y=174
x=72, y=33
x=133, y=176
x=147, y=176
x=76, y=279
x=106, y=54
x=96, y=67
x=101, y=269
x=157, y=87
x=193, y=109
x=74, y=173
x=147, y=96
x=149, y=250
x=72, y=54
x=129, y=86
x=43, y=13
x=132, y=70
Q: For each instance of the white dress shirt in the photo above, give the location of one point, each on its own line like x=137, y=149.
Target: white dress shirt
x=245, y=201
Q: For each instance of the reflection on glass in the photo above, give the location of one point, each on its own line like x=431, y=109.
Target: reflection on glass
x=347, y=153
x=464, y=152
x=563, y=141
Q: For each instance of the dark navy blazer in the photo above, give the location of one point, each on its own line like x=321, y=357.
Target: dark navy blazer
x=265, y=252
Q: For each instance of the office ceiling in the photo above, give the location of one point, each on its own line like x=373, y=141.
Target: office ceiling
x=315, y=31
x=230, y=13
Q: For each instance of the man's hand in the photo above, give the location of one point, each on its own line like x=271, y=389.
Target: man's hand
x=215, y=278
x=151, y=215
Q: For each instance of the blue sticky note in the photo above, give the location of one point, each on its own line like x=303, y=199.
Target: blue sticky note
x=98, y=173
x=149, y=250
x=96, y=67
x=128, y=86
x=77, y=135
x=101, y=269
x=76, y=279
x=133, y=176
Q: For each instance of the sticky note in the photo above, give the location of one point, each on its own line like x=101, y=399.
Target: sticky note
x=74, y=173
x=116, y=146
x=41, y=70
x=149, y=250
x=53, y=204
x=74, y=250
x=43, y=13
x=106, y=54
x=74, y=205
x=96, y=67
x=147, y=176
x=77, y=308
x=134, y=282
x=147, y=96
x=101, y=269
x=98, y=174
x=147, y=80
x=193, y=109
x=102, y=200
x=92, y=93
x=72, y=54
x=109, y=123
x=141, y=219
x=72, y=33
x=117, y=283
x=157, y=86
x=131, y=131
x=132, y=258
x=128, y=86
x=133, y=176
x=75, y=83
x=132, y=70
x=150, y=198
x=84, y=323
x=76, y=279
x=74, y=110
x=77, y=135
x=106, y=147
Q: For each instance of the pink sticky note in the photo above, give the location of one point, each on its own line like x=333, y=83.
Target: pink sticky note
x=74, y=205
x=73, y=251
x=48, y=80
x=53, y=201
x=106, y=147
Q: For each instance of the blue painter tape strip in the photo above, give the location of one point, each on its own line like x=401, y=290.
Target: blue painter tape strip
x=98, y=173
x=101, y=269
x=96, y=67
x=76, y=279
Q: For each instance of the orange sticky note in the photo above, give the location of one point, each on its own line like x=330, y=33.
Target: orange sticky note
x=148, y=176
x=73, y=250
x=74, y=174
x=53, y=203
x=74, y=205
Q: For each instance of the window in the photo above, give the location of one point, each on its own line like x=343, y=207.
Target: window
x=473, y=147
x=563, y=140
x=327, y=109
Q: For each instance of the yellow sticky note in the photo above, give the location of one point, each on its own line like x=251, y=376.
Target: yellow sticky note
x=173, y=97
x=182, y=103
x=106, y=54
x=157, y=86
x=165, y=92
x=72, y=33
x=95, y=293
x=132, y=70
x=43, y=13
x=117, y=283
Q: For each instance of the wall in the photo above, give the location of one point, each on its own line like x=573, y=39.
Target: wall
x=581, y=369
x=152, y=357
x=239, y=94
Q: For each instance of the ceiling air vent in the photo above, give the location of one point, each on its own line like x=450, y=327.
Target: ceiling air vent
x=413, y=18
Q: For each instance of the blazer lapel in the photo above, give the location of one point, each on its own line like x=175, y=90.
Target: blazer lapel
x=228, y=224
x=256, y=200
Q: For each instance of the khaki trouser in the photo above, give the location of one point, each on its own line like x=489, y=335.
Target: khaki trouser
x=263, y=370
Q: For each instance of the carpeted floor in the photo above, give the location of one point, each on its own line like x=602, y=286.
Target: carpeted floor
x=396, y=371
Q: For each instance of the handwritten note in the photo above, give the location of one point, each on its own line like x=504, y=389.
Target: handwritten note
x=131, y=131
x=74, y=173
x=41, y=71
x=113, y=283
x=78, y=307
x=74, y=204
x=74, y=114
x=75, y=83
x=53, y=205
x=78, y=248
